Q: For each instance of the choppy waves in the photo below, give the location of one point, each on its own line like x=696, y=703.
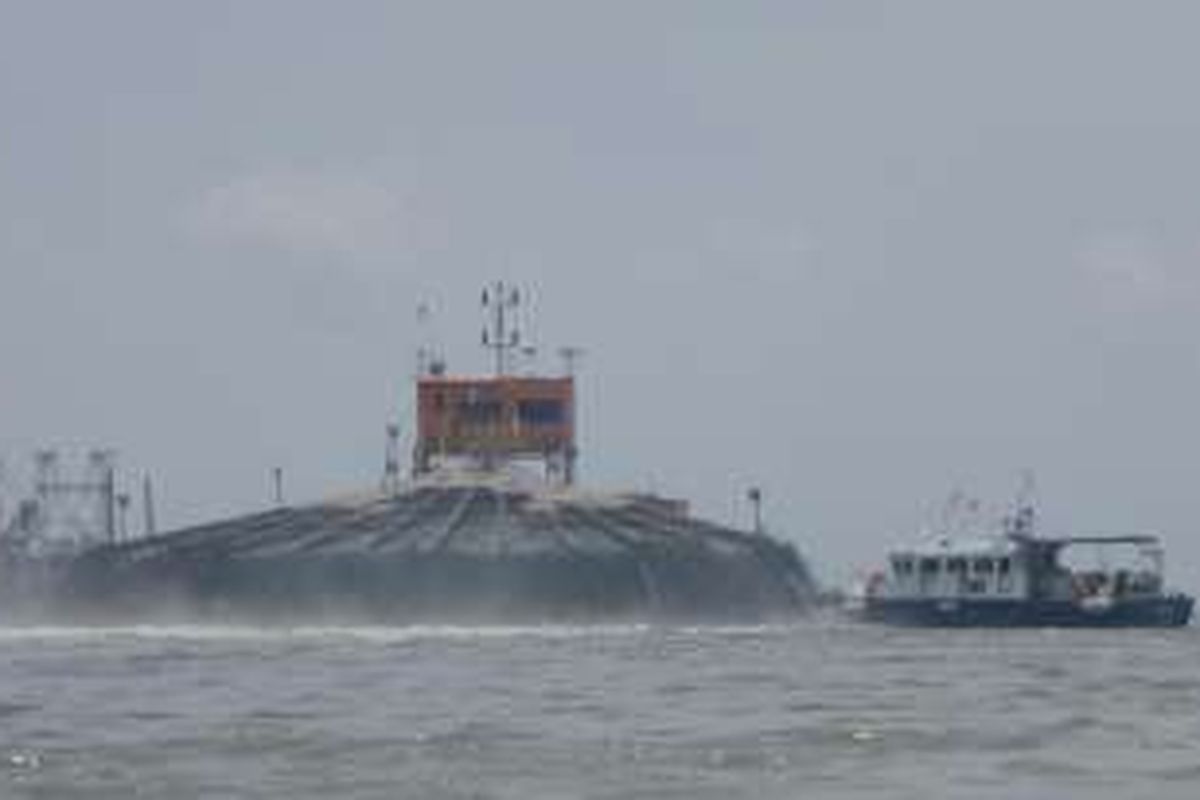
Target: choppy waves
x=823, y=710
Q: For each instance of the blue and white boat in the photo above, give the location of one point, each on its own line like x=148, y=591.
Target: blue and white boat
x=1015, y=578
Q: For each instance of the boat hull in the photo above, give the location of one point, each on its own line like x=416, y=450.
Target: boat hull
x=1166, y=611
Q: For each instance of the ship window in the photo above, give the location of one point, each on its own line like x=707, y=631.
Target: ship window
x=956, y=565
x=930, y=566
x=902, y=566
x=1003, y=566
x=486, y=412
x=540, y=412
x=983, y=566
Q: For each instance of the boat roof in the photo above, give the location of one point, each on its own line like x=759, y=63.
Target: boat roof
x=1137, y=538
x=947, y=546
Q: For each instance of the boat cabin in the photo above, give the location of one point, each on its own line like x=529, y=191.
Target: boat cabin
x=1018, y=567
x=950, y=568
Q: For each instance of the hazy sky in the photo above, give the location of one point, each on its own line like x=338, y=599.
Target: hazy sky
x=861, y=253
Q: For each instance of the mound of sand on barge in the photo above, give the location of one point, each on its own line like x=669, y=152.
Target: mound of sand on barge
x=449, y=550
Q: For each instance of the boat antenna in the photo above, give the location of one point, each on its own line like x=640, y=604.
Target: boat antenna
x=148, y=505
x=391, y=460
x=429, y=354
x=950, y=512
x=570, y=355
x=755, y=496
x=1022, y=523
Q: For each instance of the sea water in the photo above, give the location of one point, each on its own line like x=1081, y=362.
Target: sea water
x=825, y=708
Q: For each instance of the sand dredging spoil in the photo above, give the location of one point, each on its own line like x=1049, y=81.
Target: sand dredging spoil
x=466, y=551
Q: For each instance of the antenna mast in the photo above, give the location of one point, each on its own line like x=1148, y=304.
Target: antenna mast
x=429, y=355
x=501, y=335
x=1025, y=518
x=122, y=530
x=391, y=460
x=755, y=496
x=148, y=506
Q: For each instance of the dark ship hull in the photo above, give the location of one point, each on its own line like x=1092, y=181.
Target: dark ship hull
x=1164, y=611
x=453, y=553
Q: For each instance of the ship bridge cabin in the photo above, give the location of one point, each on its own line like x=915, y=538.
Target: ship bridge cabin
x=949, y=568
x=491, y=421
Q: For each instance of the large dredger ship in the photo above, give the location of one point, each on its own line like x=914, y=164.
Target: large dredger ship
x=490, y=525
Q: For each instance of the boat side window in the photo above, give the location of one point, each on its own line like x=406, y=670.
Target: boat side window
x=930, y=566
x=983, y=566
x=1004, y=581
x=956, y=566
x=902, y=566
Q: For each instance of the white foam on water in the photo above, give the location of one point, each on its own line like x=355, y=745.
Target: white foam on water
x=379, y=633
x=370, y=633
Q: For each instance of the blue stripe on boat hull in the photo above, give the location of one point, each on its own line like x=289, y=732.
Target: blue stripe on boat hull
x=1151, y=612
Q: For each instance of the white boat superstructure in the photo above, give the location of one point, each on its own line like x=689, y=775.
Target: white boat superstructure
x=1017, y=578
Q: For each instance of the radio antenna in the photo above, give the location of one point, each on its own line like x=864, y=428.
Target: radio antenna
x=501, y=335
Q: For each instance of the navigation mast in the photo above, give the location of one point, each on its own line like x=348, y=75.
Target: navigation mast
x=501, y=335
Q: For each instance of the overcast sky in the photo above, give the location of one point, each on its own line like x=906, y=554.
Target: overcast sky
x=860, y=253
